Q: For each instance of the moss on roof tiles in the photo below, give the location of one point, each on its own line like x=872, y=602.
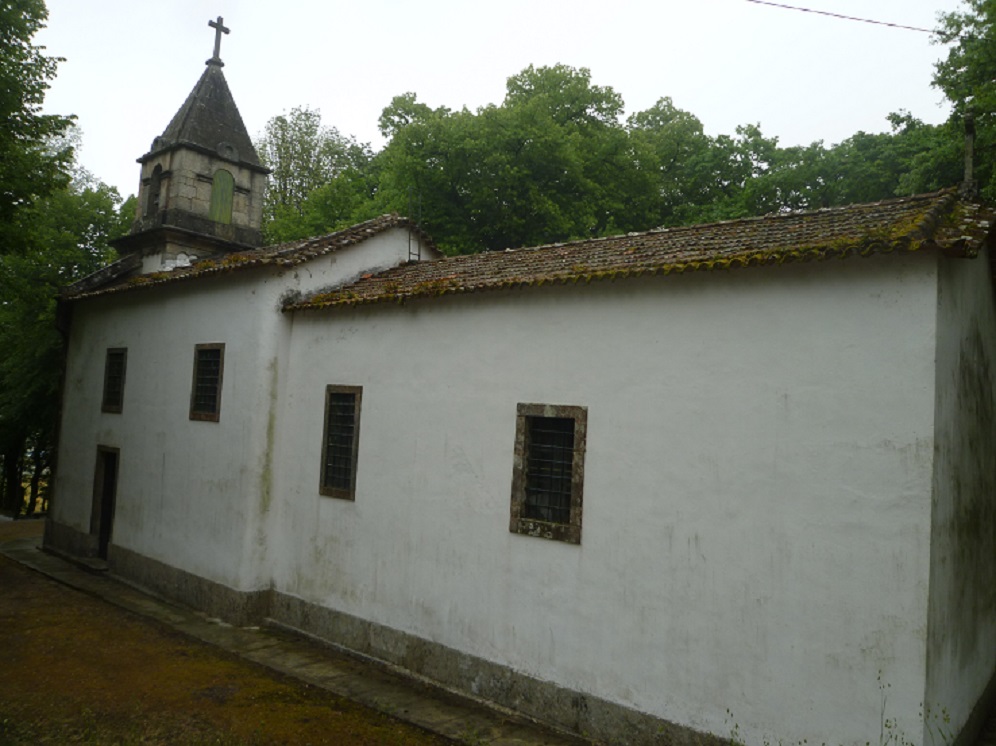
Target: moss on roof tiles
x=936, y=220
x=287, y=254
x=940, y=221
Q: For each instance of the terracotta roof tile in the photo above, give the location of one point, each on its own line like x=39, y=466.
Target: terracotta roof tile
x=939, y=221
x=287, y=254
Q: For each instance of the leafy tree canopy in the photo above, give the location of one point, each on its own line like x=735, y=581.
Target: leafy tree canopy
x=304, y=156
x=555, y=161
x=29, y=166
x=967, y=76
x=63, y=237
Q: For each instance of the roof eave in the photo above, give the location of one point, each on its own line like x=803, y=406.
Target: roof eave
x=213, y=153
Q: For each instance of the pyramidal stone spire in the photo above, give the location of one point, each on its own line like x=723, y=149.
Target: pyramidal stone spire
x=209, y=119
x=202, y=183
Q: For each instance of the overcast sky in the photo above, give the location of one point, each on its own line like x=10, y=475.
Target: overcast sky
x=131, y=63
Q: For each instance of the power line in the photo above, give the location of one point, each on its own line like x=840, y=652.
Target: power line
x=838, y=15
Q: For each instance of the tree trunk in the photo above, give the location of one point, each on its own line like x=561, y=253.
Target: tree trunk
x=40, y=467
x=37, y=465
x=13, y=490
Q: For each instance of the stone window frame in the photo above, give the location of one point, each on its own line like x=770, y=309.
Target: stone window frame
x=204, y=414
x=324, y=488
x=112, y=400
x=569, y=532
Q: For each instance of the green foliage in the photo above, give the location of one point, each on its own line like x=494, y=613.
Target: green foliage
x=671, y=164
x=555, y=162
x=546, y=165
x=64, y=236
x=566, y=94
x=34, y=156
x=29, y=166
x=913, y=158
x=967, y=76
x=305, y=156
x=402, y=111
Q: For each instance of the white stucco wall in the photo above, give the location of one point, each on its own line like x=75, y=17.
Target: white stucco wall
x=962, y=641
x=756, y=531
x=188, y=491
x=192, y=494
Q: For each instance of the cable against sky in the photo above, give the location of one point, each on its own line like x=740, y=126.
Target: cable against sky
x=843, y=17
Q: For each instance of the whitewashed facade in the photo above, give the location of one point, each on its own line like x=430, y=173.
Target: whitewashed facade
x=787, y=524
x=778, y=524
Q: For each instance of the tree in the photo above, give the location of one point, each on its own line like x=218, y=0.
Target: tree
x=64, y=236
x=304, y=155
x=967, y=76
x=33, y=166
x=553, y=162
x=672, y=164
x=549, y=164
x=402, y=111
x=566, y=94
x=29, y=166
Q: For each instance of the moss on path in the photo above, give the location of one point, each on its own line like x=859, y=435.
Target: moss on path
x=76, y=670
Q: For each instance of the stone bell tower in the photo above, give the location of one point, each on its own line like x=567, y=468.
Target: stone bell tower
x=202, y=184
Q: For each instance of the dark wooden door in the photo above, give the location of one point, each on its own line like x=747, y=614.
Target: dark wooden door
x=105, y=488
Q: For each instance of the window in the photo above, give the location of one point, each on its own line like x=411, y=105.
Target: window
x=548, y=471
x=205, y=394
x=222, y=192
x=154, y=190
x=114, y=379
x=340, y=441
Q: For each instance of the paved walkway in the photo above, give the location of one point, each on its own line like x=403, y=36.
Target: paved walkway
x=369, y=683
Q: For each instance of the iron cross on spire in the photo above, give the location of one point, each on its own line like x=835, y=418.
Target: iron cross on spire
x=219, y=29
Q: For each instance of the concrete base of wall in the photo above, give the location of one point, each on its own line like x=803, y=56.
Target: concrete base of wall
x=70, y=541
x=236, y=607
x=571, y=710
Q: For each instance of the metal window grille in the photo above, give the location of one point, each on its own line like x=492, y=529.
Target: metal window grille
x=114, y=370
x=339, y=441
x=549, y=468
x=206, y=380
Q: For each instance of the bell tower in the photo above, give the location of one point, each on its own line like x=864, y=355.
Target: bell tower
x=201, y=191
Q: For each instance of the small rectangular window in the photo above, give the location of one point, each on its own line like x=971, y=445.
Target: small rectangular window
x=205, y=394
x=340, y=441
x=114, y=379
x=548, y=471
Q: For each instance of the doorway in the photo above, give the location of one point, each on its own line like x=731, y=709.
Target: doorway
x=105, y=488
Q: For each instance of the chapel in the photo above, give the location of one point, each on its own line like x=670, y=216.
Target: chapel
x=726, y=482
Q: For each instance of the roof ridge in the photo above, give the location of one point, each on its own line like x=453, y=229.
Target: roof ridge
x=904, y=224
x=767, y=217
x=284, y=255
x=927, y=226
x=279, y=249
